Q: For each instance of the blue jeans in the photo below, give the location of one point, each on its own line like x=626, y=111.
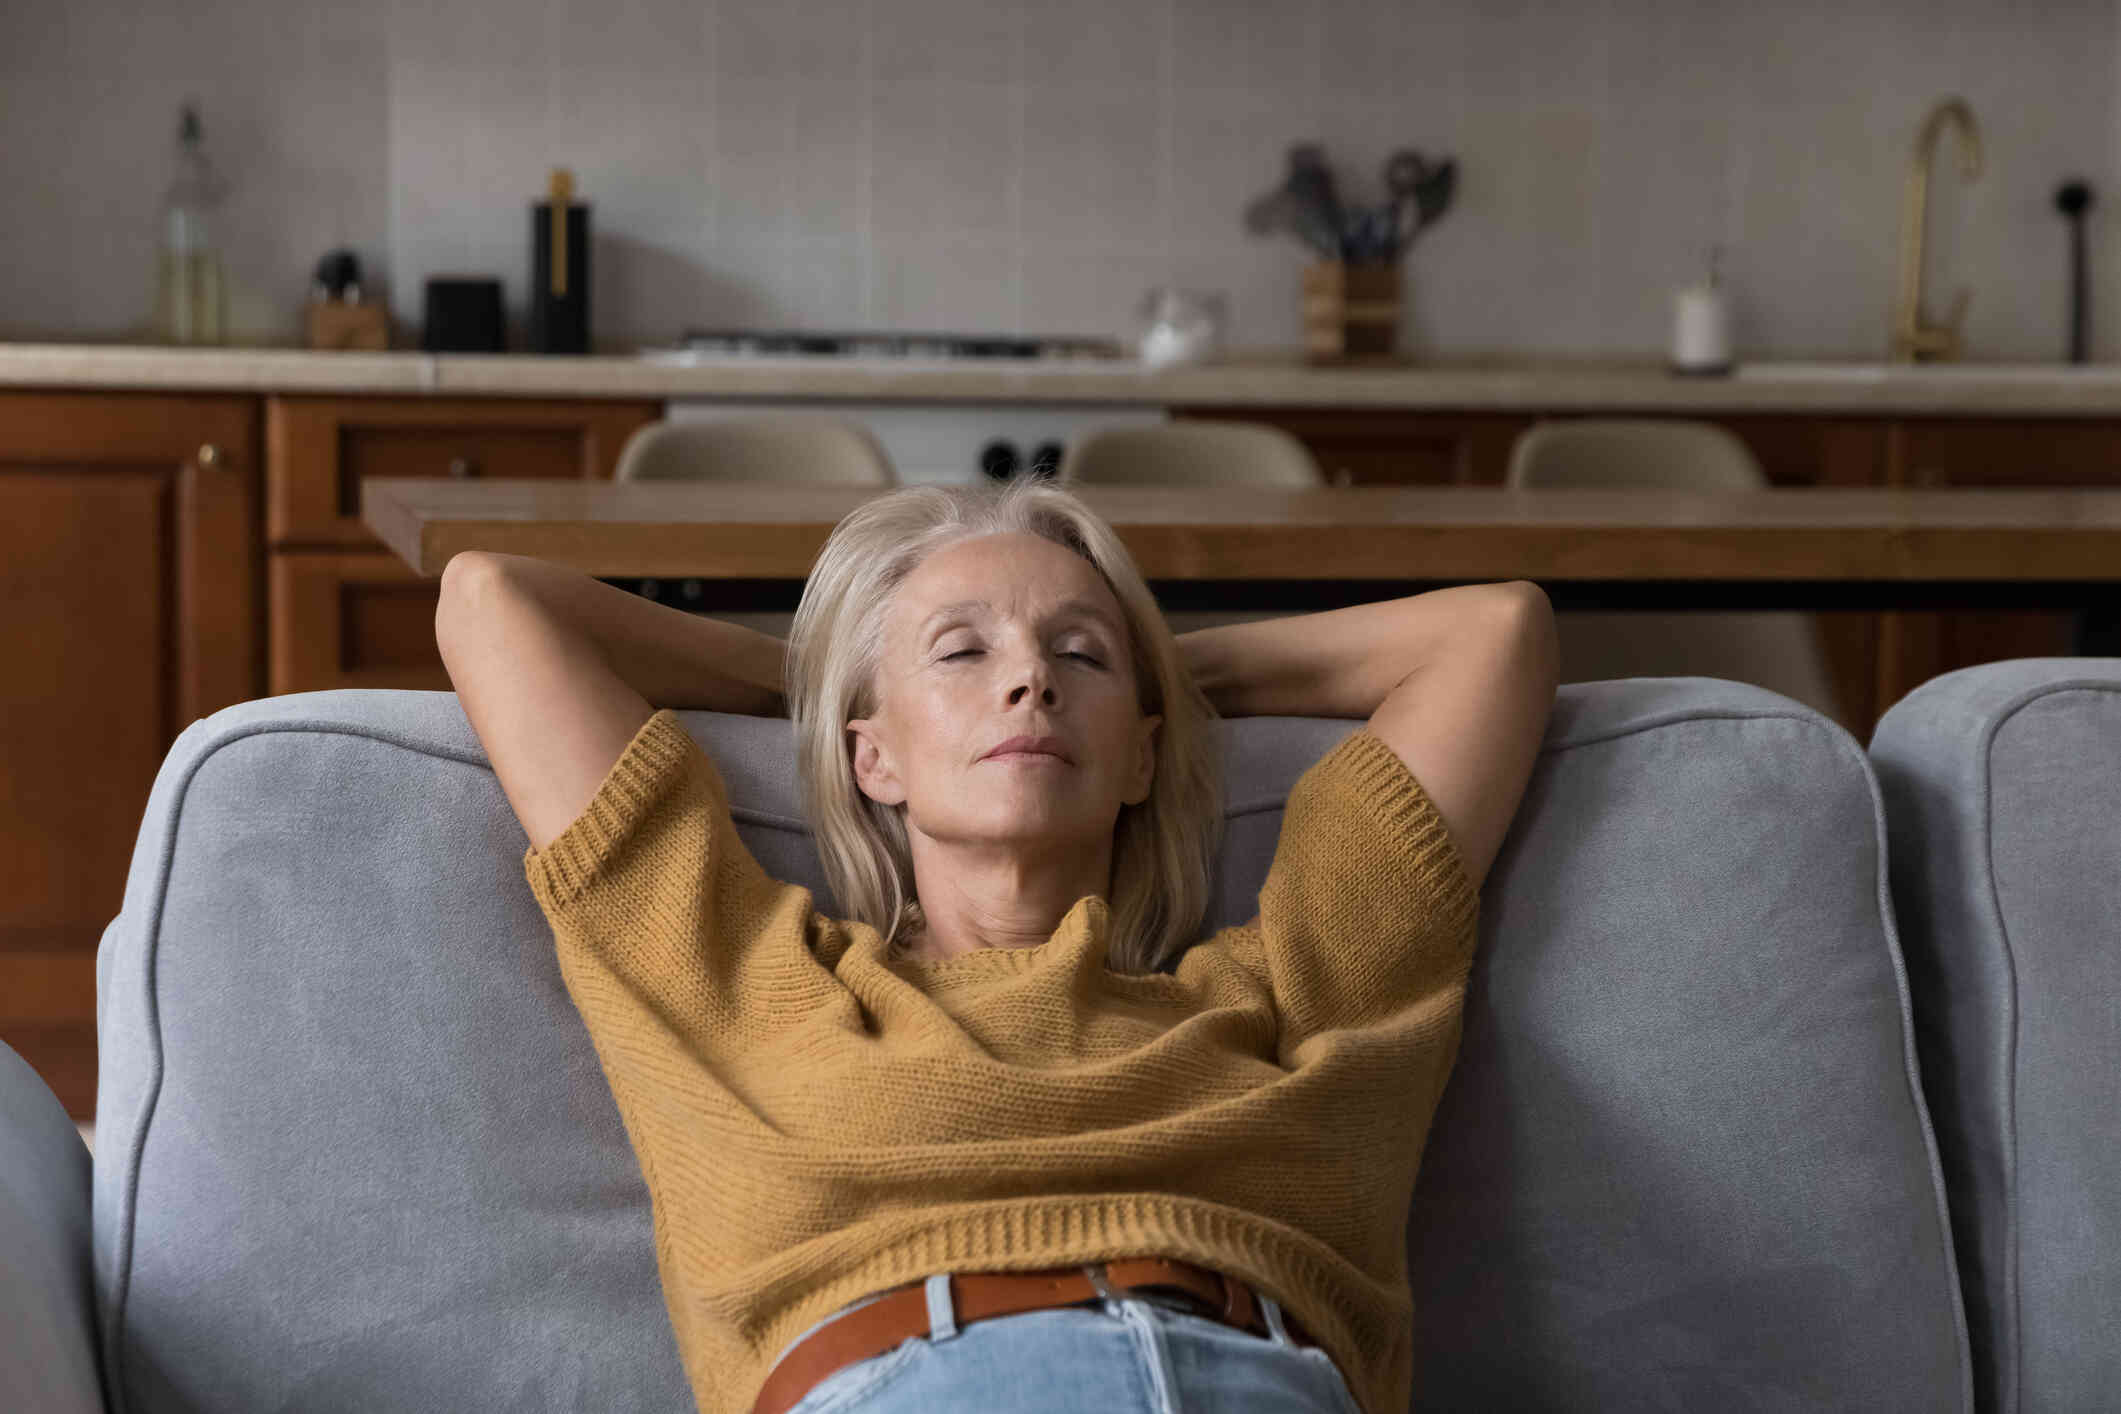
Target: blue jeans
x=1130, y=1355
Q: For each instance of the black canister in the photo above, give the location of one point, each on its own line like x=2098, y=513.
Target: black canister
x=559, y=271
x=462, y=315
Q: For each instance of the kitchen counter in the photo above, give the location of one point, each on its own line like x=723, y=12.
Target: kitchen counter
x=1255, y=379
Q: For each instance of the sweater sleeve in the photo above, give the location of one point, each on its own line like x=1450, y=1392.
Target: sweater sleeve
x=660, y=913
x=1367, y=909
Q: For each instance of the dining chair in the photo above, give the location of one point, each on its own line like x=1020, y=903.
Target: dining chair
x=1201, y=452
x=756, y=447
x=1191, y=452
x=1779, y=651
x=780, y=446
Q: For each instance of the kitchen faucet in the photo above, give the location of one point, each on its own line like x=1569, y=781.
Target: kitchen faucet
x=1912, y=339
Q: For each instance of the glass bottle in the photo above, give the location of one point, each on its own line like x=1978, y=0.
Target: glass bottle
x=191, y=301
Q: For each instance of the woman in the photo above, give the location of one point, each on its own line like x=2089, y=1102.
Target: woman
x=1008, y=1134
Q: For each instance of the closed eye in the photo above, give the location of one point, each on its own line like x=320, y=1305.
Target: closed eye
x=1084, y=656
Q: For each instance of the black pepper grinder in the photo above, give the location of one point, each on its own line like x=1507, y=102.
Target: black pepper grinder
x=559, y=270
x=2072, y=199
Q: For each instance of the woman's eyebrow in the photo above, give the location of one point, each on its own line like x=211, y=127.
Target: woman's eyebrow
x=1080, y=608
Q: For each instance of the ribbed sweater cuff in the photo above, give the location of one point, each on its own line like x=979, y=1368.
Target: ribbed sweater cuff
x=651, y=768
x=1410, y=824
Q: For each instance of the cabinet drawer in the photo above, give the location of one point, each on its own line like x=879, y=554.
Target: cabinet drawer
x=353, y=618
x=1995, y=451
x=318, y=449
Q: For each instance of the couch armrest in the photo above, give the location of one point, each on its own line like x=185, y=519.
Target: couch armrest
x=47, y=1299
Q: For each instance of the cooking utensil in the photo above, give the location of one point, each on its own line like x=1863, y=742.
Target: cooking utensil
x=1311, y=181
x=1404, y=172
x=1295, y=206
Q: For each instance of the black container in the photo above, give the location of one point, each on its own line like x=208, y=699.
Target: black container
x=559, y=308
x=463, y=316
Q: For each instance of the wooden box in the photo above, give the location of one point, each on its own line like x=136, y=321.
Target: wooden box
x=335, y=324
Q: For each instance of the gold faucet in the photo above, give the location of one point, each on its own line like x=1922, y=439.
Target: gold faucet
x=1912, y=339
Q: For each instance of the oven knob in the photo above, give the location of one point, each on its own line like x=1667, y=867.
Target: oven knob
x=1046, y=460
x=1000, y=460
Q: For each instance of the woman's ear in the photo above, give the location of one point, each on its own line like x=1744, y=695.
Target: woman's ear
x=872, y=767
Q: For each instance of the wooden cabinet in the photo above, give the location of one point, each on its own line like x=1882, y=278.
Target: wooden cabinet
x=131, y=570
x=345, y=612
x=352, y=618
x=1990, y=451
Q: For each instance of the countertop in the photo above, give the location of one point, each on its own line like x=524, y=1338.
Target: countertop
x=1248, y=378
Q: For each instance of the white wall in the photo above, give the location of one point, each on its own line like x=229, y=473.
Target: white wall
x=1012, y=165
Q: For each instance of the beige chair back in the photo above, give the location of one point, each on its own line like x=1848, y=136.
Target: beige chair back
x=762, y=447
x=1679, y=456
x=1191, y=453
x=1782, y=652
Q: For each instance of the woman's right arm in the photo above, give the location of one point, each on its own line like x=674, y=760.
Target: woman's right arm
x=558, y=672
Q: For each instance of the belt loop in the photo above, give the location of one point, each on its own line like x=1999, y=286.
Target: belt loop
x=942, y=1315
x=1096, y=1272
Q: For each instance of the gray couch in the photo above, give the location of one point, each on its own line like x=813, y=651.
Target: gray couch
x=353, y=1150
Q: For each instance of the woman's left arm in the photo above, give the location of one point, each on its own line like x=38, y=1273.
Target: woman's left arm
x=1343, y=662
x=1459, y=683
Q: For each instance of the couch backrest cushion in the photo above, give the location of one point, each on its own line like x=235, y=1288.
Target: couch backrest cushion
x=354, y=1150
x=47, y=1305
x=2003, y=795
x=1683, y=1162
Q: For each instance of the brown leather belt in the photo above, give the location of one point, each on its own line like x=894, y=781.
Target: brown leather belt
x=888, y=1321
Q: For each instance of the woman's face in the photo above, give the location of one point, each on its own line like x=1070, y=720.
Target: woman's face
x=1044, y=654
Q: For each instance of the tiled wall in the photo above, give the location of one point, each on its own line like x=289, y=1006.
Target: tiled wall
x=1012, y=165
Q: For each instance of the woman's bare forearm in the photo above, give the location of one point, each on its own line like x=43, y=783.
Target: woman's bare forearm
x=670, y=657
x=1340, y=663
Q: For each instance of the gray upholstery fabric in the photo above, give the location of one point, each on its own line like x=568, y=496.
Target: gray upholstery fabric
x=1683, y=1162
x=354, y=1150
x=2003, y=791
x=47, y=1317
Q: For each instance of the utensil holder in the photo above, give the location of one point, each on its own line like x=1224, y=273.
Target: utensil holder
x=338, y=324
x=1350, y=310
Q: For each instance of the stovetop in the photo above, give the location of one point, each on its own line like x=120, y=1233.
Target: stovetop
x=806, y=343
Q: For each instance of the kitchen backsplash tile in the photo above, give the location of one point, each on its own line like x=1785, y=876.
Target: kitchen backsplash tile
x=1079, y=183
x=975, y=40
x=1015, y=166
x=945, y=159
x=940, y=282
x=809, y=39
x=1120, y=42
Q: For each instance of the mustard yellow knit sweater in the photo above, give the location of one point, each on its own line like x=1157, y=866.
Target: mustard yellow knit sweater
x=816, y=1123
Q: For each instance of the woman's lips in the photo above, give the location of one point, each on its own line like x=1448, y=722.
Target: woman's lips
x=1025, y=756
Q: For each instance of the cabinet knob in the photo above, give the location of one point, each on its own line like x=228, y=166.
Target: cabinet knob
x=209, y=455
x=463, y=466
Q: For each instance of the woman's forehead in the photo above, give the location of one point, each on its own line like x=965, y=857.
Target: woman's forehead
x=988, y=578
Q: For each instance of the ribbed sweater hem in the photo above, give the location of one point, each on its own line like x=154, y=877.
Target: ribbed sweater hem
x=1329, y=1296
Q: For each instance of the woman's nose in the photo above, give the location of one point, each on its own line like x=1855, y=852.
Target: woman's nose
x=1032, y=674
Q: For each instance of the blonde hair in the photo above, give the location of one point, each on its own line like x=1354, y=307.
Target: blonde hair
x=1164, y=848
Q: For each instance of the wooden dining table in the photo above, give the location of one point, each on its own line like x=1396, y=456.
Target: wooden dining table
x=750, y=545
